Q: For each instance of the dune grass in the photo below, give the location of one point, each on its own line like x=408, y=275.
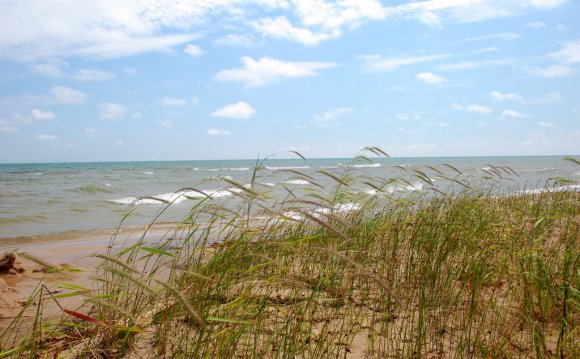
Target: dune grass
x=439, y=273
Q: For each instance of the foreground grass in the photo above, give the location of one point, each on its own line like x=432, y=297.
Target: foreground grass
x=460, y=276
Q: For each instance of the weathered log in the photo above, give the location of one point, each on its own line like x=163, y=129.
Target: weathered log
x=7, y=262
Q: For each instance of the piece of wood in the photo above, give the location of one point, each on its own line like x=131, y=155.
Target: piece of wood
x=7, y=262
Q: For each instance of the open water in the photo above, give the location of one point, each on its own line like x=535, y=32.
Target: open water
x=45, y=201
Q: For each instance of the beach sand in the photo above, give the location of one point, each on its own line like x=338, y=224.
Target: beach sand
x=75, y=263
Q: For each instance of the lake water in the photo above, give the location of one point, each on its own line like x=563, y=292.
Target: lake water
x=56, y=199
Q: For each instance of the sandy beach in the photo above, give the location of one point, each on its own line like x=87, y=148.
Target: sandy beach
x=74, y=262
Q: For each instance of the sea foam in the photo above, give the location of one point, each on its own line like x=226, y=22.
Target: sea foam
x=367, y=166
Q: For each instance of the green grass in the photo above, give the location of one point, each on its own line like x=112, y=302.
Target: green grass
x=458, y=275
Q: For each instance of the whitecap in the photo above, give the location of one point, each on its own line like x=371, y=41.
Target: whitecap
x=366, y=166
x=239, y=169
x=173, y=197
x=159, y=199
x=414, y=187
x=218, y=193
x=293, y=215
x=568, y=188
x=147, y=172
x=297, y=181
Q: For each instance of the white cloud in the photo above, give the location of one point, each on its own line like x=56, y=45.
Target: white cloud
x=407, y=116
x=512, y=114
x=173, y=102
x=337, y=14
x=498, y=96
x=332, y=115
x=93, y=75
x=66, y=95
x=111, y=111
x=240, y=110
x=470, y=10
x=536, y=24
x=268, y=70
x=431, y=78
x=430, y=19
x=473, y=65
x=545, y=124
x=50, y=70
x=281, y=28
x=380, y=64
x=91, y=130
x=108, y=29
x=483, y=110
x=42, y=115
x=553, y=71
x=547, y=98
x=46, y=137
x=569, y=54
x=101, y=29
x=165, y=123
x=7, y=127
x=217, y=132
x=547, y=4
x=193, y=50
x=129, y=71
x=235, y=40
x=502, y=36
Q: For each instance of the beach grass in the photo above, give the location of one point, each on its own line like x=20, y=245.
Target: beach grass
x=439, y=273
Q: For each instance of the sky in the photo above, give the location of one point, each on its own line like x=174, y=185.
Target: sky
x=118, y=80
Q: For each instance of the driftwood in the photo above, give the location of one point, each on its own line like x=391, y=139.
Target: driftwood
x=7, y=262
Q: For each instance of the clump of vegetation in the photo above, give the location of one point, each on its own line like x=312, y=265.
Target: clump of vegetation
x=455, y=273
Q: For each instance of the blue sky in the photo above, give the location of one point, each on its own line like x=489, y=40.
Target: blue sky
x=110, y=80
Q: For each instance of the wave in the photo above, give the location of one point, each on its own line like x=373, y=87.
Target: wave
x=297, y=181
x=175, y=197
x=367, y=166
x=223, y=169
x=219, y=178
x=23, y=219
x=568, y=188
x=239, y=169
x=286, y=167
x=411, y=187
x=339, y=208
x=93, y=188
x=545, y=169
x=147, y=172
